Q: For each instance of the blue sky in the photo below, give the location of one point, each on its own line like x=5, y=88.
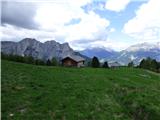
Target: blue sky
x=117, y=19
x=114, y=24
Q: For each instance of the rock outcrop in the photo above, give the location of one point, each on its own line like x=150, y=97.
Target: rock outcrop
x=36, y=49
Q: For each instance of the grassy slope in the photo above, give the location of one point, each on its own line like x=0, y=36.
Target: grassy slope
x=53, y=93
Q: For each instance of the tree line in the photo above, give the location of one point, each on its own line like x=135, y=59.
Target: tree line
x=53, y=62
x=148, y=63
x=30, y=60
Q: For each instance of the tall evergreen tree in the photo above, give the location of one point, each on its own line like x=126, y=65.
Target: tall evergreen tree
x=48, y=63
x=95, y=62
x=143, y=64
x=131, y=64
x=105, y=65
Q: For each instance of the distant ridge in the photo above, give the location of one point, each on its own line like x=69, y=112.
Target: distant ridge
x=50, y=49
x=98, y=52
x=38, y=50
x=136, y=53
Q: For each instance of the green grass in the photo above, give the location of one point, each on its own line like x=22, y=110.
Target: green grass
x=32, y=92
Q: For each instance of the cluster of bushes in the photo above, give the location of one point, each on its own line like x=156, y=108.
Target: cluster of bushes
x=150, y=64
x=29, y=60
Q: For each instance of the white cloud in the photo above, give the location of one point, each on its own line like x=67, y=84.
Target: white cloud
x=145, y=25
x=13, y=33
x=53, y=15
x=112, y=30
x=117, y=5
x=90, y=27
x=115, y=45
x=54, y=19
x=109, y=44
x=57, y=17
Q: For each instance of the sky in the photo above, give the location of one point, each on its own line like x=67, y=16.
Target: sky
x=113, y=24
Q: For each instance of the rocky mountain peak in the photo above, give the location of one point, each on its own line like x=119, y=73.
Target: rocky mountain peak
x=36, y=49
x=51, y=42
x=143, y=47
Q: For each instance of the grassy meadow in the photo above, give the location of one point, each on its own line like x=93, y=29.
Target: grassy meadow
x=30, y=92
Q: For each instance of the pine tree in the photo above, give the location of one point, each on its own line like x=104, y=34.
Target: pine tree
x=105, y=65
x=143, y=64
x=131, y=64
x=48, y=63
x=95, y=62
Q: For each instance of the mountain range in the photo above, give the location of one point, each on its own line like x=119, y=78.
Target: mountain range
x=138, y=52
x=38, y=50
x=50, y=49
x=133, y=53
x=98, y=52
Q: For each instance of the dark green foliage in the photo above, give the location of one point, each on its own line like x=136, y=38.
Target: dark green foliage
x=105, y=65
x=39, y=62
x=154, y=65
x=25, y=59
x=19, y=58
x=150, y=64
x=95, y=62
x=16, y=58
x=29, y=60
x=159, y=67
x=131, y=64
x=48, y=63
x=3, y=56
x=143, y=64
x=12, y=57
x=54, y=62
x=30, y=92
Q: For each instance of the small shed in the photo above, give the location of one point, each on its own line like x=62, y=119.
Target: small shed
x=73, y=61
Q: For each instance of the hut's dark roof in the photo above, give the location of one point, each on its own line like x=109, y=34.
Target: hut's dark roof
x=74, y=57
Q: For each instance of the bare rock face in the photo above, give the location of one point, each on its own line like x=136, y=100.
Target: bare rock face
x=36, y=49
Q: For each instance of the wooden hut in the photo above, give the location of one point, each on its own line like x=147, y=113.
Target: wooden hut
x=73, y=61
